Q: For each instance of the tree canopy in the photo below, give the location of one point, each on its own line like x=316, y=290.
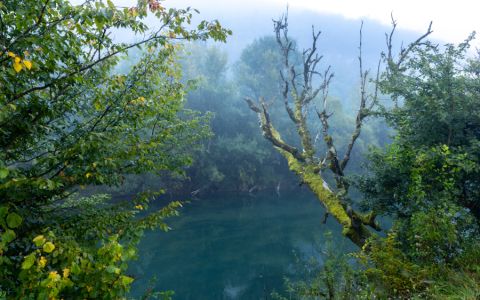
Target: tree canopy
x=69, y=119
x=85, y=110
x=427, y=179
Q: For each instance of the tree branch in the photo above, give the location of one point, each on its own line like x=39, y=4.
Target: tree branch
x=403, y=51
x=269, y=131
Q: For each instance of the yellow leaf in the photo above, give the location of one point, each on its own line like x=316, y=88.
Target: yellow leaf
x=54, y=276
x=42, y=262
x=66, y=272
x=88, y=175
x=27, y=64
x=48, y=247
x=126, y=280
x=17, y=67
x=133, y=11
x=39, y=240
x=17, y=59
x=11, y=54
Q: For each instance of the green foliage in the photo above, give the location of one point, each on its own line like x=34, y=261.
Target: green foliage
x=87, y=269
x=456, y=286
x=257, y=71
x=437, y=119
x=389, y=271
x=69, y=119
x=438, y=235
x=68, y=270
x=237, y=158
x=330, y=276
x=428, y=179
x=435, y=90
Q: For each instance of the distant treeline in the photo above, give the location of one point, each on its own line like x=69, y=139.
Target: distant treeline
x=236, y=158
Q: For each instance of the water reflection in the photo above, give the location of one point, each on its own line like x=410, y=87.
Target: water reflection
x=233, y=246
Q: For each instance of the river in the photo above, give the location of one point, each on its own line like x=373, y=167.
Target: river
x=234, y=246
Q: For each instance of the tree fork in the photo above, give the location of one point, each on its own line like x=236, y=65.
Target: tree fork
x=353, y=223
x=298, y=92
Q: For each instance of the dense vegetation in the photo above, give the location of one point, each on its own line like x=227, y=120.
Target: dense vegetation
x=237, y=157
x=83, y=115
x=69, y=120
x=426, y=180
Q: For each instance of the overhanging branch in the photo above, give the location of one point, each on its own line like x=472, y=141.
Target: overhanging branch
x=269, y=131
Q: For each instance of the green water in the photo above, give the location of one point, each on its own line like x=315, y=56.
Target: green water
x=234, y=247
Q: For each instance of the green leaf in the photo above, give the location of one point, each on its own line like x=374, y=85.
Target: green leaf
x=48, y=247
x=110, y=4
x=39, y=240
x=50, y=185
x=4, y=173
x=97, y=105
x=14, y=220
x=76, y=269
x=28, y=262
x=112, y=269
x=8, y=236
x=3, y=211
x=164, y=227
x=126, y=280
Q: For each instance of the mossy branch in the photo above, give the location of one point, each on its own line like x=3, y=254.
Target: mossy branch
x=353, y=223
x=298, y=92
x=268, y=130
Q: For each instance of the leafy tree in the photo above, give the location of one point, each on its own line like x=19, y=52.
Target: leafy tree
x=234, y=158
x=257, y=71
x=437, y=120
x=428, y=177
x=237, y=158
x=68, y=120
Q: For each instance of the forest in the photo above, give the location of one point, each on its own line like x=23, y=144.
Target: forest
x=150, y=152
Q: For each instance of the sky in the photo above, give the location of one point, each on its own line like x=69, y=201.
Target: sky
x=452, y=21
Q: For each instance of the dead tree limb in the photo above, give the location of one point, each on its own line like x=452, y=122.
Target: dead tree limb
x=269, y=131
x=300, y=88
x=395, y=63
x=363, y=110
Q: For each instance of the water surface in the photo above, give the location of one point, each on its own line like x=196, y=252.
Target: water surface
x=234, y=246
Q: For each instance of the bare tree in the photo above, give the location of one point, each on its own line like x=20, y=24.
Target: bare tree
x=299, y=92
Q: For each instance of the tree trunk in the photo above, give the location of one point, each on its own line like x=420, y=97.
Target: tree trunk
x=352, y=222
